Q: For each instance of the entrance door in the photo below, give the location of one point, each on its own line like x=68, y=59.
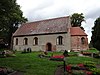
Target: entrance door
x=49, y=47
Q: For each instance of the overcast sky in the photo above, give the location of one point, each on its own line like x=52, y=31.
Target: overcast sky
x=45, y=9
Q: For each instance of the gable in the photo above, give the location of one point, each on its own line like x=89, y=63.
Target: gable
x=56, y=25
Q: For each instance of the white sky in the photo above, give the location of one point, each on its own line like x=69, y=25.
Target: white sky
x=44, y=9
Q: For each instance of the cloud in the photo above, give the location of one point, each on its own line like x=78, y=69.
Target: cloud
x=88, y=27
x=95, y=13
x=45, y=9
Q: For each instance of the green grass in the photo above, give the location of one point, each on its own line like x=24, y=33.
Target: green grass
x=31, y=64
x=93, y=50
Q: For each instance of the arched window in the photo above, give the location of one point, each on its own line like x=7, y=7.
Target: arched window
x=83, y=40
x=35, y=41
x=25, y=41
x=16, y=41
x=59, y=40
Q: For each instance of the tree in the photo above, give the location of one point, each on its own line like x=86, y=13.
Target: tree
x=95, y=39
x=10, y=17
x=77, y=19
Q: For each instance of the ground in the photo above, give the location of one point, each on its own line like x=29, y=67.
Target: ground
x=31, y=64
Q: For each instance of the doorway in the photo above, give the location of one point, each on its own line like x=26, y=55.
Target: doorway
x=49, y=47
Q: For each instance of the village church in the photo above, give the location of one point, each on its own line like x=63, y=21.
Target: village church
x=50, y=35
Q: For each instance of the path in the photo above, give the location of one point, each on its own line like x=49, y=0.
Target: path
x=59, y=71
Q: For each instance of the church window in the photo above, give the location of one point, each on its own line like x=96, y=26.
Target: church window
x=83, y=40
x=35, y=40
x=16, y=41
x=25, y=41
x=59, y=40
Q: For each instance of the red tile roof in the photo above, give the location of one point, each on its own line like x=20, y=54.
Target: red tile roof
x=45, y=26
x=77, y=31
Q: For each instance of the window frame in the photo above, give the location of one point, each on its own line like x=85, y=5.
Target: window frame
x=35, y=41
x=59, y=40
x=25, y=41
x=83, y=40
x=16, y=41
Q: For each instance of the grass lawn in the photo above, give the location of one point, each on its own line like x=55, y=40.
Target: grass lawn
x=31, y=64
x=92, y=50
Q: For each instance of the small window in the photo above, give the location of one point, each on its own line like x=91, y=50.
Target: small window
x=59, y=40
x=25, y=41
x=35, y=41
x=16, y=41
x=83, y=40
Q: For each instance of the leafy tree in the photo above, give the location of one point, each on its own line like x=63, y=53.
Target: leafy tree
x=77, y=19
x=10, y=17
x=95, y=39
x=90, y=44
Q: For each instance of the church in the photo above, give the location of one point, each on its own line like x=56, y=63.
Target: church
x=54, y=34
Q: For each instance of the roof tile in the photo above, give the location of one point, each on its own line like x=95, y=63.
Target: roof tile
x=45, y=26
x=77, y=31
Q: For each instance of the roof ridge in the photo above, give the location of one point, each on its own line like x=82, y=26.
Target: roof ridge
x=47, y=19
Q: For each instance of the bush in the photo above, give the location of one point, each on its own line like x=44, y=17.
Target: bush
x=75, y=67
x=72, y=54
x=92, y=50
x=2, y=53
x=95, y=71
x=78, y=72
x=28, y=50
x=96, y=55
x=89, y=64
x=1, y=50
x=87, y=53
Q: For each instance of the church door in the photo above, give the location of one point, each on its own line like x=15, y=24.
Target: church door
x=49, y=47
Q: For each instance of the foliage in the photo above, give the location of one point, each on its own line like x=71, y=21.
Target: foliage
x=96, y=71
x=92, y=50
x=65, y=53
x=10, y=17
x=95, y=39
x=78, y=72
x=1, y=50
x=57, y=58
x=77, y=19
x=90, y=44
x=28, y=50
x=89, y=64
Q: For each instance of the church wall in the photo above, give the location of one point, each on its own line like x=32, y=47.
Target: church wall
x=76, y=43
x=42, y=42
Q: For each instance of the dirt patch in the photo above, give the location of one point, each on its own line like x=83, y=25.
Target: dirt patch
x=59, y=70
x=9, y=71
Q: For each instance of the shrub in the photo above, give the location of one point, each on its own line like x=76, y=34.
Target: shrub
x=89, y=64
x=57, y=58
x=75, y=67
x=28, y=50
x=78, y=72
x=2, y=53
x=86, y=53
x=96, y=55
x=95, y=71
x=89, y=73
